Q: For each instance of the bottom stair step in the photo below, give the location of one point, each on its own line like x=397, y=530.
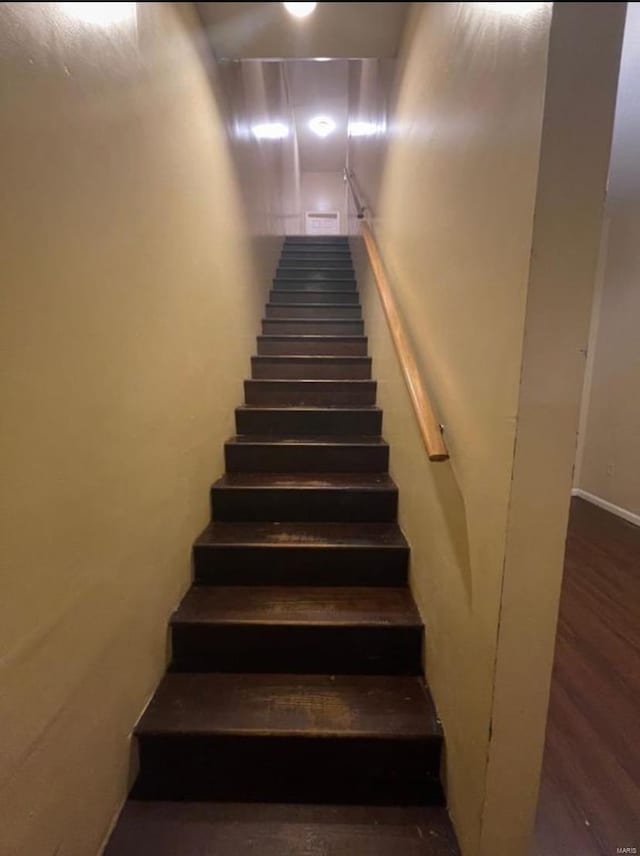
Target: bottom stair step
x=250, y=829
x=290, y=738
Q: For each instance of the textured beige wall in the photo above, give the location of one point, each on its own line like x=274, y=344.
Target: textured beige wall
x=454, y=212
x=130, y=300
x=609, y=465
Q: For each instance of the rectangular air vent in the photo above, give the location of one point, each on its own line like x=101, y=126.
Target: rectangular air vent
x=322, y=222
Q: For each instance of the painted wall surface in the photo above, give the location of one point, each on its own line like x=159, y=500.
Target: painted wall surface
x=471, y=160
x=323, y=191
x=609, y=463
x=130, y=300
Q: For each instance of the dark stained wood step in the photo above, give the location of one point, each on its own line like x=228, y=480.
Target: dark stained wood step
x=312, y=281
x=299, y=738
x=322, y=263
x=369, y=631
x=302, y=454
x=313, y=367
x=312, y=310
x=317, y=256
x=306, y=296
x=312, y=326
x=354, y=346
x=314, y=240
x=305, y=554
x=355, y=497
x=316, y=273
x=301, y=393
x=259, y=829
x=304, y=421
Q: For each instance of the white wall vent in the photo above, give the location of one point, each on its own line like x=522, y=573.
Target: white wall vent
x=322, y=222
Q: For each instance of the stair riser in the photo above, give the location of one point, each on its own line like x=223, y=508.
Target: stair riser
x=314, y=274
x=345, y=347
x=306, y=327
x=300, y=422
x=298, y=283
x=245, y=458
x=304, y=504
x=296, y=649
x=289, y=769
x=319, y=256
x=320, y=263
x=312, y=394
x=300, y=566
x=303, y=297
x=333, y=369
x=321, y=241
x=315, y=313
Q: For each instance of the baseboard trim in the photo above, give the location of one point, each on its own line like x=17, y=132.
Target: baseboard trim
x=629, y=516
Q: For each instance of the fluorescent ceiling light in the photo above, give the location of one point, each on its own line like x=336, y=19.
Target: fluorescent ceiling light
x=322, y=59
x=363, y=129
x=99, y=14
x=299, y=10
x=322, y=125
x=270, y=131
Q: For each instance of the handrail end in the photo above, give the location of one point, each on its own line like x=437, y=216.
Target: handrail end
x=439, y=456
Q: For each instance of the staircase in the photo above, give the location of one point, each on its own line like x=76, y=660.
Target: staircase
x=294, y=719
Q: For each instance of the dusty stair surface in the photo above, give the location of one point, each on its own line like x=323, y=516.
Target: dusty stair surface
x=294, y=719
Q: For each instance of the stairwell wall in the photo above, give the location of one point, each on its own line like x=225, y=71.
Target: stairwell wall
x=135, y=264
x=454, y=191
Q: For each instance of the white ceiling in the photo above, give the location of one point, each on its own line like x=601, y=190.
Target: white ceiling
x=319, y=88
x=268, y=31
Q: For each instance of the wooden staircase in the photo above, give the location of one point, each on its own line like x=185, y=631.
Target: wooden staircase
x=295, y=720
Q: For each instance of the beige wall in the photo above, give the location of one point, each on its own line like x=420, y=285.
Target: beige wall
x=475, y=155
x=130, y=301
x=608, y=466
x=323, y=191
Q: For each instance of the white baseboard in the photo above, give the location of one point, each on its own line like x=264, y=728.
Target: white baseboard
x=629, y=516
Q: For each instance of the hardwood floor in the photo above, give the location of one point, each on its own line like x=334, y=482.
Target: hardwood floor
x=590, y=790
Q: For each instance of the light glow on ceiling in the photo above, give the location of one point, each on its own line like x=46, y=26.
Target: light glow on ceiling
x=270, y=131
x=99, y=14
x=322, y=126
x=300, y=10
x=364, y=129
x=516, y=10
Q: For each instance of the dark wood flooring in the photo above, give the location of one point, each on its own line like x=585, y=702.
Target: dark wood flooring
x=590, y=790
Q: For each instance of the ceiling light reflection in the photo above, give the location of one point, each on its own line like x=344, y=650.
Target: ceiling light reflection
x=270, y=131
x=365, y=129
x=99, y=14
x=299, y=10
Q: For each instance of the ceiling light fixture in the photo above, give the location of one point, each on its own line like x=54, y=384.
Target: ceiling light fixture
x=300, y=10
x=322, y=126
x=363, y=129
x=270, y=131
x=99, y=14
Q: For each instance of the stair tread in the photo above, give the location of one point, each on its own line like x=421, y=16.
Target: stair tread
x=276, y=829
x=311, y=358
x=302, y=534
x=299, y=605
x=348, y=381
x=351, y=408
x=338, y=706
x=303, y=481
x=308, y=440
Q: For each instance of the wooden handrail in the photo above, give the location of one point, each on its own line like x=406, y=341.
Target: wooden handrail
x=429, y=427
